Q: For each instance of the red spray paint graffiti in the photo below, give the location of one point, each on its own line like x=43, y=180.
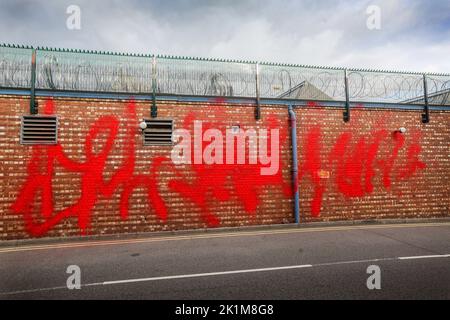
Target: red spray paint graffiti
x=354, y=159
x=204, y=190
x=41, y=173
x=210, y=183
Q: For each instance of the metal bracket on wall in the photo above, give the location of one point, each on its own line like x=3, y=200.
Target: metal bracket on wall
x=347, y=98
x=154, y=108
x=426, y=114
x=258, y=107
x=33, y=102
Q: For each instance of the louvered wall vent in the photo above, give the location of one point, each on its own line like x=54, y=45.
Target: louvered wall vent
x=39, y=130
x=158, y=132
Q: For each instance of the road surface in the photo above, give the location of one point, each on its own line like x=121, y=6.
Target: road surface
x=287, y=263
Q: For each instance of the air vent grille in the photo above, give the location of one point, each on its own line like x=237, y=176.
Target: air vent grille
x=39, y=130
x=158, y=132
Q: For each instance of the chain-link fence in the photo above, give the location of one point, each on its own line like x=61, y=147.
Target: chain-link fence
x=75, y=70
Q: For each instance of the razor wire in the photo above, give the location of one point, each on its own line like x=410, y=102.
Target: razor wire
x=93, y=71
x=205, y=77
x=15, y=67
x=438, y=89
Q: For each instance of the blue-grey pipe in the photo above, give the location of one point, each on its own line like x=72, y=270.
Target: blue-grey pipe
x=293, y=121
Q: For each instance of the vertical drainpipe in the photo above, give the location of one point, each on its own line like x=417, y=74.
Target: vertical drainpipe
x=293, y=121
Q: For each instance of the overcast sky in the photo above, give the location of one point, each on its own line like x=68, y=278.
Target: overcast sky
x=413, y=35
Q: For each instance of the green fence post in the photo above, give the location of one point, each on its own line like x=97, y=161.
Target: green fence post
x=426, y=114
x=154, y=108
x=258, y=108
x=33, y=102
x=347, y=98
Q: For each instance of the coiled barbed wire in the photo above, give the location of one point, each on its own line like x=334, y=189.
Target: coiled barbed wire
x=57, y=70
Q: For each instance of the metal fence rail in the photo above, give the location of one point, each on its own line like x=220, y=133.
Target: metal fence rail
x=205, y=77
x=438, y=89
x=302, y=83
x=15, y=67
x=85, y=71
x=76, y=70
x=384, y=87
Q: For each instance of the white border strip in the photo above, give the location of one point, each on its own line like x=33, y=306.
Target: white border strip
x=209, y=274
x=425, y=257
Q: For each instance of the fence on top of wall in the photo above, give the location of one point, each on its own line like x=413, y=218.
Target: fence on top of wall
x=91, y=71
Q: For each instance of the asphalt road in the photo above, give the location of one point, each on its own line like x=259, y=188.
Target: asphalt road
x=293, y=263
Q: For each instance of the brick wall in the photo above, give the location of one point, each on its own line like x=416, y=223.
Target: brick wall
x=99, y=181
x=364, y=169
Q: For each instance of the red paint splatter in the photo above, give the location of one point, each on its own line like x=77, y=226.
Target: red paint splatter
x=208, y=186
x=210, y=183
x=354, y=157
x=312, y=166
x=41, y=171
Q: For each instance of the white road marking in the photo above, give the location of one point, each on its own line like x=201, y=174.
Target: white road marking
x=31, y=291
x=209, y=274
x=326, y=264
x=426, y=257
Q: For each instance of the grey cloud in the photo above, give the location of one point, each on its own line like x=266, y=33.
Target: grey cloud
x=415, y=34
